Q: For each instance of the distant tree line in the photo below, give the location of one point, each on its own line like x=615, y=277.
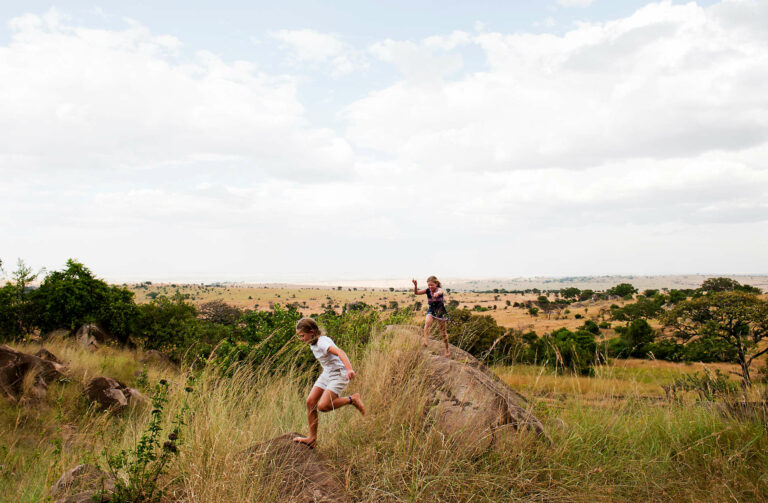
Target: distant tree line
x=721, y=321
x=72, y=297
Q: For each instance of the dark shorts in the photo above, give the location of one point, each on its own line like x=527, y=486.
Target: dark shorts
x=438, y=314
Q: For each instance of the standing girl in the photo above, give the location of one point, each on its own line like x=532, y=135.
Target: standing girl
x=436, y=311
x=337, y=372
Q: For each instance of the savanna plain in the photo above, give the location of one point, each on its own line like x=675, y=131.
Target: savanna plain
x=624, y=431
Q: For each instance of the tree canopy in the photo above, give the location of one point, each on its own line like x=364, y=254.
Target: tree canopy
x=738, y=319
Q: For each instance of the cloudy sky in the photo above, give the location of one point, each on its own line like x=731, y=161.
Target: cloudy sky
x=304, y=141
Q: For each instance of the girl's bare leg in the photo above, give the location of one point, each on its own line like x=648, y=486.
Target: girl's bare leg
x=312, y=400
x=331, y=401
x=427, y=325
x=444, y=332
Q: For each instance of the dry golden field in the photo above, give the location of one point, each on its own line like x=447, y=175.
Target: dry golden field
x=311, y=300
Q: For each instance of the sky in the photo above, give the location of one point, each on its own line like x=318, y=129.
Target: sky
x=303, y=141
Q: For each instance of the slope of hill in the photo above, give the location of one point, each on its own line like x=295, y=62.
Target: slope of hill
x=614, y=446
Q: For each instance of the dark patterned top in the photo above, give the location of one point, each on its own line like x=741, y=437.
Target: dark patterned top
x=436, y=304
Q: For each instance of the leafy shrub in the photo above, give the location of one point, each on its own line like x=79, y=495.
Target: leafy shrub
x=218, y=311
x=591, y=326
x=568, y=351
x=171, y=326
x=708, y=385
x=624, y=290
x=73, y=297
x=149, y=460
x=473, y=333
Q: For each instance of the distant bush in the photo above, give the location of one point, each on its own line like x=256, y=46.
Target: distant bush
x=714, y=285
x=475, y=334
x=624, y=290
x=67, y=299
x=172, y=327
x=708, y=386
x=590, y=326
x=218, y=311
x=568, y=351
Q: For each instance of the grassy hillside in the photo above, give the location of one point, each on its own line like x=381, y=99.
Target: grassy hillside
x=610, y=441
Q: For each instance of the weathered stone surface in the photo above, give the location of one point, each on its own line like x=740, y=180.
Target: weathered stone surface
x=469, y=402
x=156, y=357
x=112, y=394
x=301, y=473
x=91, y=336
x=46, y=355
x=24, y=375
x=81, y=484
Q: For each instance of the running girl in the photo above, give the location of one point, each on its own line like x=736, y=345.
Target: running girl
x=436, y=310
x=337, y=372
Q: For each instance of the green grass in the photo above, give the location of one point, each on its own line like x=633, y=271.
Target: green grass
x=604, y=448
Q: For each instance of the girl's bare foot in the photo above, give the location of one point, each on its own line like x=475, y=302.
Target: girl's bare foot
x=447, y=353
x=358, y=403
x=309, y=442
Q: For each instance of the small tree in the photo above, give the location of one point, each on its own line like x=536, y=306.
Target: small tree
x=713, y=285
x=16, y=310
x=570, y=293
x=218, y=311
x=623, y=290
x=739, y=319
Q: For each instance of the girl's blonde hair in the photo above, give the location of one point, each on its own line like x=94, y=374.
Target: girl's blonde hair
x=434, y=279
x=308, y=325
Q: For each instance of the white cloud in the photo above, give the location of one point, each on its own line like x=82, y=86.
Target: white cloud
x=310, y=45
x=669, y=81
x=575, y=3
x=427, y=60
x=313, y=47
x=83, y=98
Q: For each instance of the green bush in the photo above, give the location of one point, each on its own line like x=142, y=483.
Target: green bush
x=591, y=326
x=73, y=297
x=473, y=333
x=568, y=351
x=172, y=327
x=624, y=290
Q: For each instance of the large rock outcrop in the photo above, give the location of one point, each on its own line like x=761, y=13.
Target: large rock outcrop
x=112, y=394
x=27, y=376
x=300, y=473
x=83, y=484
x=466, y=400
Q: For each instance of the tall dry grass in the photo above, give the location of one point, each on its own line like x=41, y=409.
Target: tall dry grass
x=602, y=450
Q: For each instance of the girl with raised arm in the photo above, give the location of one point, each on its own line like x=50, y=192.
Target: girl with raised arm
x=436, y=310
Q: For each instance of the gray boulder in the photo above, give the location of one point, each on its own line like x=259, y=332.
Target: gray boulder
x=91, y=336
x=26, y=376
x=112, y=394
x=302, y=474
x=83, y=484
x=466, y=401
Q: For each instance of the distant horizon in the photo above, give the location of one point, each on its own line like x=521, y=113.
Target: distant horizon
x=643, y=280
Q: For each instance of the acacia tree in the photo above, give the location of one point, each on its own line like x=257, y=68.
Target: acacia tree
x=737, y=318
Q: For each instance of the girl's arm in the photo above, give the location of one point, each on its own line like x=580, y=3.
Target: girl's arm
x=416, y=290
x=344, y=359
